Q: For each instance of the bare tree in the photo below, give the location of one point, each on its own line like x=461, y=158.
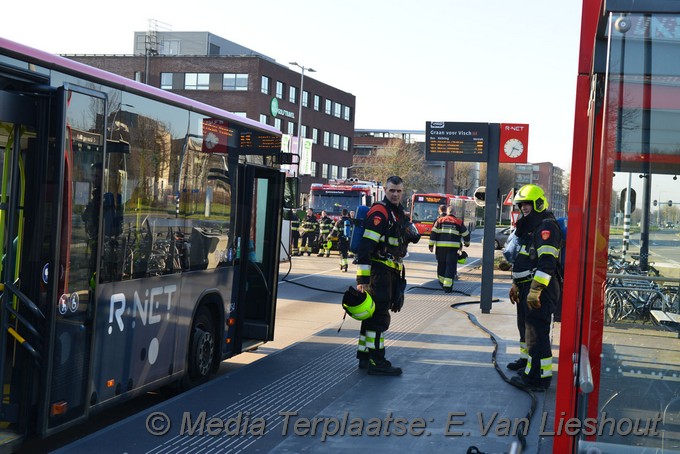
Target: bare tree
x=463, y=178
x=406, y=160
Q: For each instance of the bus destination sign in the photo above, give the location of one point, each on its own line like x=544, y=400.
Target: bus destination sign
x=450, y=141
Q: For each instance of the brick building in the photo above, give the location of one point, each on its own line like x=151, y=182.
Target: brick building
x=219, y=72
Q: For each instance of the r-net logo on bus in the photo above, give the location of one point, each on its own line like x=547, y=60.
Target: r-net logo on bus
x=148, y=310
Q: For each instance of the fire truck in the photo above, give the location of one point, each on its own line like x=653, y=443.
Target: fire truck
x=338, y=194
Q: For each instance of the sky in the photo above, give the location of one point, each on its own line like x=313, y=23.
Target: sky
x=406, y=62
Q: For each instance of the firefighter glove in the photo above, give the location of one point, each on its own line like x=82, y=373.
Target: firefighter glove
x=431, y=247
x=466, y=244
x=534, y=297
x=514, y=294
x=398, y=303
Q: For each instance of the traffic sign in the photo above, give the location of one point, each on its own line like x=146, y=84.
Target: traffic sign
x=509, y=197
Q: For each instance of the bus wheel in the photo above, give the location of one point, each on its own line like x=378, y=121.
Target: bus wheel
x=201, y=348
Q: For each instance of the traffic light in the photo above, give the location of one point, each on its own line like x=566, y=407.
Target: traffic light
x=622, y=200
x=654, y=203
x=670, y=203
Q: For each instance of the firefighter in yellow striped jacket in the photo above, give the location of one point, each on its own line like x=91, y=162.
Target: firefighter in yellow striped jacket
x=447, y=234
x=308, y=232
x=535, y=289
x=325, y=226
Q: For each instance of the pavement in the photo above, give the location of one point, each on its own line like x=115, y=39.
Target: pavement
x=453, y=396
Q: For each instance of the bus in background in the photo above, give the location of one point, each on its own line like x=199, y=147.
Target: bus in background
x=425, y=209
x=338, y=194
x=140, y=236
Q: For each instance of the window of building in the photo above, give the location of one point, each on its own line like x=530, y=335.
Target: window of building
x=234, y=82
x=329, y=105
x=279, y=89
x=333, y=171
x=305, y=98
x=263, y=119
x=324, y=170
x=317, y=102
x=241, y=114
x=336, y=141
x=337, y=110
x=314, y=167
x=315, y=135
x=169, y=47
x=291, y=128
x=343, y=172
x=166, y=81
x=264, y=85
x=292, y=94
x=303, y=131
x=277, y=123
x=196, y=81
x=326, y=139
x=347, y=113
x=345, y=143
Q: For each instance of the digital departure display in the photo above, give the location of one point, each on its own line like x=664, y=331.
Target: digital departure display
x=449, y=141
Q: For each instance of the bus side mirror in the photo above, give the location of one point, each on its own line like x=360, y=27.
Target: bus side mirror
x=291, y=193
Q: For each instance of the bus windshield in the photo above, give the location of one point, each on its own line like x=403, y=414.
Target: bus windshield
x=426, y=210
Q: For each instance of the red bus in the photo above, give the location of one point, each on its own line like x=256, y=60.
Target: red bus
x=123, y=215
x=425, y=209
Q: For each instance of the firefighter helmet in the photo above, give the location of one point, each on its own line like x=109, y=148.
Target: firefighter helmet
x=462, y=257
x=533, y=194
x=359, y=306
x=411, y=235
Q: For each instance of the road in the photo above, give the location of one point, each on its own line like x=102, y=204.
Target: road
x=309, y=300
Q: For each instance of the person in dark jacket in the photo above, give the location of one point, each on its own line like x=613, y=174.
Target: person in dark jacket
x=380, y=272
x=535, y=289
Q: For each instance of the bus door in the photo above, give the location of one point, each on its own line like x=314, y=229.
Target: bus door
x=22, y=319
x=258, y=235
x=82, y=136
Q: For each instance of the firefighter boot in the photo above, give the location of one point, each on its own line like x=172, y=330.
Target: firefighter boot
x=344, y=268
x=518, y=364
x=383, y=367
x=524, y=382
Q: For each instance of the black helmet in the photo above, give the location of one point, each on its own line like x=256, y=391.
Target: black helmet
x=359, y=306
x=411, y=235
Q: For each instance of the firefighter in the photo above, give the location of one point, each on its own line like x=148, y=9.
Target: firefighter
x=535, y=289
x=343, y=232
x=325, y=225
x=447, y=233
x=380, y=272
x=441, y=265
x=295, y=232
x=308, y=232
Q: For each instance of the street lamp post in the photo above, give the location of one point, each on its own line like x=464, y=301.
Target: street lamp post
x=302, y=83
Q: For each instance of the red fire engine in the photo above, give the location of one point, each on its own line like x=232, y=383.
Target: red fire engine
x=338, y=194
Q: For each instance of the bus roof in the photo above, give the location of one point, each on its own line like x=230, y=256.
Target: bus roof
x=72, y=67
